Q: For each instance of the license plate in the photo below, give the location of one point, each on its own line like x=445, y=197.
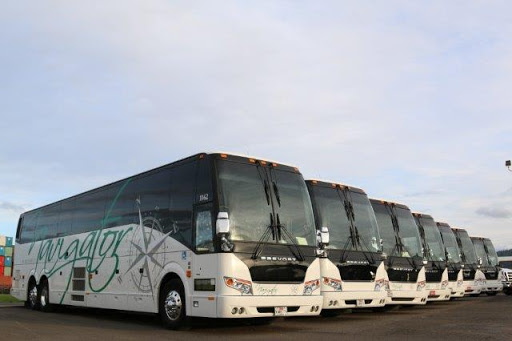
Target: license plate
x=359, y=303
x=432, y=293
x=280, y=311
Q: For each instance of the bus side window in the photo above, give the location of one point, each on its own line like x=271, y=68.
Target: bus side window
x=204, y=231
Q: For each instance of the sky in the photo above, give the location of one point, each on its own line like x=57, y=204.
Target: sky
x=408, y=100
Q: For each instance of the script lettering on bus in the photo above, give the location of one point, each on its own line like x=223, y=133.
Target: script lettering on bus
x=97, y=246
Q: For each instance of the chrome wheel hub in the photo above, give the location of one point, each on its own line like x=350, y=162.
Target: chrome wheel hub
x=44, y=293
x=173, y=305
x=32, y=296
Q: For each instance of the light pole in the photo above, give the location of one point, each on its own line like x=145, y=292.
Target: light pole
x=508, y=164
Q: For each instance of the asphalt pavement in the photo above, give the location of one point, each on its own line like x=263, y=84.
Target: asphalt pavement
x=478, y=318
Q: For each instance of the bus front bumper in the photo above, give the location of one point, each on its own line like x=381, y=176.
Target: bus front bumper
x=268, y=306
x=472, y=288
x=493, y=286
x=406, y=297
x=353, y=299
x=436, y=295
x=457, y=290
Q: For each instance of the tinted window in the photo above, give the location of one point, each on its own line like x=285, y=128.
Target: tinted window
x=64, y=226
x=28, y=227
x=386, y=229
x=294, y=207
x=181, y=201
x=48, y=222
x=242, y=195
x=90, y=210
x=204, y=231
x=329, y=204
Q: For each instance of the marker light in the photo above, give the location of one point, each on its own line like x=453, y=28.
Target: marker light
x=245, y=287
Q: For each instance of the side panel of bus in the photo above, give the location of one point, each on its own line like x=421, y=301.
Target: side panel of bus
x=112, y=247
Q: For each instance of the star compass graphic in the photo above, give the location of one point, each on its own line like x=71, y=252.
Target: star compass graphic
x=146, y=258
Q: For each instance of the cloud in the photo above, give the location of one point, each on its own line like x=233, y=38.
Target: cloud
x=409, y=102
x=493, y=212
x=12, y=208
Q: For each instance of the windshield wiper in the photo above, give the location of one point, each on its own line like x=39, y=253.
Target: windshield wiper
x=274, y=186
x=264, y=238
x=288, y=234
x=264, y=181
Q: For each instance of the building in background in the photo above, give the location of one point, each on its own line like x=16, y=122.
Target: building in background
x=6, y=256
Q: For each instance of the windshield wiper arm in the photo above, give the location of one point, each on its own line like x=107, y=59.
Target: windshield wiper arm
x=288, y=234
x=264, y=238
x=264, y=181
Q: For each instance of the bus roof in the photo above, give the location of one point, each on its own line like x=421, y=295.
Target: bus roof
x=195, y=156
x=422, y=215
x=380, y=201
x=333, y=184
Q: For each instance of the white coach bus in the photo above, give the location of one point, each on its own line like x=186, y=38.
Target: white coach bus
x=402, y=246
x=212, y=235
x=352, y=268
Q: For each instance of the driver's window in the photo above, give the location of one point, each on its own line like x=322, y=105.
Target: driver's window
x=204, y=231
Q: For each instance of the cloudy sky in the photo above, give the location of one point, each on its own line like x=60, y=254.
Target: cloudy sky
x=409, y=100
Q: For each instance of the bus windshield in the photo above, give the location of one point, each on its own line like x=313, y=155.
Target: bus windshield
x=491, y=252
x=364, y=220
x=408, y=232
x=242, y=194
x=329, y=203
x=331, y=213
x=480, y=251
x=386, y=229
x=450, y=244
x=433, y=239
x=468, y=250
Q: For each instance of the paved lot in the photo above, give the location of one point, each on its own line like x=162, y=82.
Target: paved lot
x=482, y=318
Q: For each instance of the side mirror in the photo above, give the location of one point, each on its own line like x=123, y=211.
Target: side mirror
x=222, y=224
x=480, y=261
x=324, y=235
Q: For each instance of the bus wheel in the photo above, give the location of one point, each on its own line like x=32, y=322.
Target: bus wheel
x=330, y=312
x=33, y=296
x=172, y=305
x=44, y=297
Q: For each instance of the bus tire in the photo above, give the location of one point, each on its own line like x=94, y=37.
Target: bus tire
x=330, y=312
x=32, y=295
x=44, y=297
x=172, y=306
x=492, y=293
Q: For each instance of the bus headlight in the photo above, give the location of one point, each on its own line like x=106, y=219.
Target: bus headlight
x=311, y=286
x=380, y=285
x=421, y=286
x=245, y=287
x=333, y=283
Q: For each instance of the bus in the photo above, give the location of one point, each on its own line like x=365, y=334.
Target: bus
x=488, y=257
x=352, y=267
x=436, y=272
x=404, y=257
x=474, y=278
x=212, y=235
x=453, y=260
